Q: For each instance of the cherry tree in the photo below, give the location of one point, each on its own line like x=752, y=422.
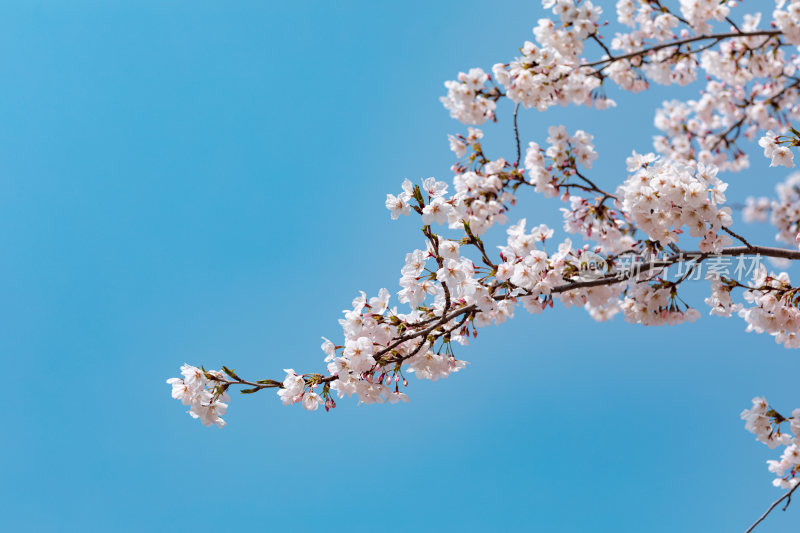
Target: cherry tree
x=631, y=245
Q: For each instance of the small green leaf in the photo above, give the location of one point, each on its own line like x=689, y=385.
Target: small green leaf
x=230, y=372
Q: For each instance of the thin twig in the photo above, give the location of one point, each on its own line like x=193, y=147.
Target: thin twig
x=602, y=45
x=773, y=506
x=737, y=236
x=516, y=134
x=732, y=23
x=683, y=41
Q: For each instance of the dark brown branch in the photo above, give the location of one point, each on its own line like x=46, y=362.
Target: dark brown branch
x=602, y=45
x=468, y=310
x=737, y=236
x=696, y=38
x=516, y=135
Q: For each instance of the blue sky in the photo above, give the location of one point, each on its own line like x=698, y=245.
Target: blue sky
x=203, y=182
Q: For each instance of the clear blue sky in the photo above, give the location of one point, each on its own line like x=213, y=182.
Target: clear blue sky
x=203, y=182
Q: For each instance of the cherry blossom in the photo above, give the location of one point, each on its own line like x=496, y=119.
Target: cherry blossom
x=766, y=423
x=627, y=243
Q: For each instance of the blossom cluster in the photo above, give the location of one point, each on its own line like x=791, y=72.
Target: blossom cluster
x=656, y=305
x=699, y=13
x=749, y=80
x=774, y=150
x=765, y=423
x=468, y=99
x=662, y=197
x=774, y=307
x=293, y=391
x=370, y=328
x=720, y=300
x=786, y=210
x=199, y=390
x=783, y=211
x=563, y=153
x=662, y=66
x=550, y=170
x=787, y=19
x=547, y=73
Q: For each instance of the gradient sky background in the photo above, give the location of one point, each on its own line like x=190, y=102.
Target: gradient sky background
x=203, y=182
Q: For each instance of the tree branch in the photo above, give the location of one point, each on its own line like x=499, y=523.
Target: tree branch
x=472, y=310
x=787, y=496
x=737, y=236
x=516, y=134
x=661, y=46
